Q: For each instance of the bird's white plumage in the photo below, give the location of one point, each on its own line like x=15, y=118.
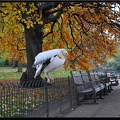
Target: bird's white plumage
x=57, y=59
x=56, y=63
x=43, y=56
x=38, y=70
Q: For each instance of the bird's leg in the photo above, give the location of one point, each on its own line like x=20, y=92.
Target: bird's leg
x=47, y=76
x=51, y=79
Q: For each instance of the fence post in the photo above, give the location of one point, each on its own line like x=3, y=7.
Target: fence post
x=46, y=98
x=70, y=93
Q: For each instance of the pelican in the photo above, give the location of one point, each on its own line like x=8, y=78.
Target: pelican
x=48, y=61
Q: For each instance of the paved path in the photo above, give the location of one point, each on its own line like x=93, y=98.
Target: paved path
x=107, y=107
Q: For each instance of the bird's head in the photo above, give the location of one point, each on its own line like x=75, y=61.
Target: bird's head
x=65, y=54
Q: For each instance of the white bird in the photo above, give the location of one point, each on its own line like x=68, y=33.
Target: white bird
x=50, y=60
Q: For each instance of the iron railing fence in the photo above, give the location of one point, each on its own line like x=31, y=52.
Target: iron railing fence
x=47, y=101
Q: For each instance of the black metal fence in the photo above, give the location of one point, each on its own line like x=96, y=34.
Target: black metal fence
x=47, y=101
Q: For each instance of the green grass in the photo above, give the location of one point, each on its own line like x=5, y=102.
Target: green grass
x=60, y=72
x=11, y=73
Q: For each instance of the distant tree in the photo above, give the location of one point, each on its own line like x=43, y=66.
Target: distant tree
x=6, y=62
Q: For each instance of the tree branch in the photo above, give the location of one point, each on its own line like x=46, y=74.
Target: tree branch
x=51, y=31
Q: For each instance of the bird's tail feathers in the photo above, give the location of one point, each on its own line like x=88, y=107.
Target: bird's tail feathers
x=38, y=70
x=35, y=76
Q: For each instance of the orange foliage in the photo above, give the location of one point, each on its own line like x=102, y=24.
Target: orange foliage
x=90, y=43
x=84, y=30
x=13, y=43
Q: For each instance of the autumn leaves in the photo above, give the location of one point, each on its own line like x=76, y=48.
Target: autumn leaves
x=86, y=29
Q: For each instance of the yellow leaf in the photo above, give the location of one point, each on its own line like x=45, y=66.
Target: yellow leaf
x=40, y=22
x=28, y=26
x=1, y=35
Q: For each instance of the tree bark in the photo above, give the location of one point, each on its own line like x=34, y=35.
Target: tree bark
x=33, y=37
x=6, y=62
x=19, y=67
x=15, y=63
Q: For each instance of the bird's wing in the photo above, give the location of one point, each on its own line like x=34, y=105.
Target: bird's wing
x=47, y=54
x=52, y=58
x=38, y=70
x=45, y=64
x=55, y=63
x=38, y=66
x=43, y=56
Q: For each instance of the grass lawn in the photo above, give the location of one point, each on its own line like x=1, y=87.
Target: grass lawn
x=10, y=73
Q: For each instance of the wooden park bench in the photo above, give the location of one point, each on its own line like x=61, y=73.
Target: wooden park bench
x=105, y=80
x=84, y=87
x=87, y=76
x=113, y=79
x=98, y=81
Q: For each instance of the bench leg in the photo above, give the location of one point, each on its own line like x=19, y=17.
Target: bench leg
x=100, y=93
x=94, y=98
x=111, y=87
x=106, y=90
x=116, y=82
x=77, y=99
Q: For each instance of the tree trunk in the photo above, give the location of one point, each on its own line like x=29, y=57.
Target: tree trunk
x=15, y=63
x=19, y=67
x=6, y=62
x=33, y=38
